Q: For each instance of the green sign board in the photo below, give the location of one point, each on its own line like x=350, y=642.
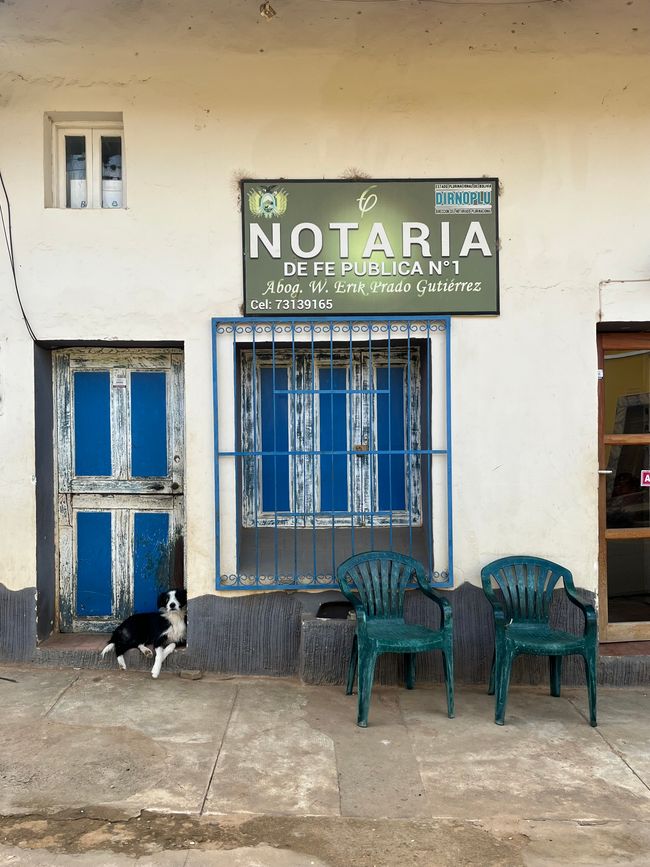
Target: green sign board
x=370, y=247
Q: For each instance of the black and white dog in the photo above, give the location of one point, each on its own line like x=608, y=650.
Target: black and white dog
x=164, y=629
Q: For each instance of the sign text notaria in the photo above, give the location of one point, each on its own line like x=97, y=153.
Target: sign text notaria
x=370, y=247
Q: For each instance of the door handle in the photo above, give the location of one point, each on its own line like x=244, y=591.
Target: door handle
x=605, y=472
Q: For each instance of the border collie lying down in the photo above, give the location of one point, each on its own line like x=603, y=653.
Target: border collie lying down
x=164, y=629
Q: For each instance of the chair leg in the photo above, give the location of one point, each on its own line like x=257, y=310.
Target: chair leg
x=590, y=671
x=409, y=670
x=448, y=665
x=491, y=683
x=352, y=667
x=367, y=660
x=555, y=666
x=503, y=669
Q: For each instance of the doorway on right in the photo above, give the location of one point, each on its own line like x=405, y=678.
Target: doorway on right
x=625, y=486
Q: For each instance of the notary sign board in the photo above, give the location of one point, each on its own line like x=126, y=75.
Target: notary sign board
x=370, y=247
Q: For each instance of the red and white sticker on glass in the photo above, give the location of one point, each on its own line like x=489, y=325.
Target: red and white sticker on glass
x=645, y=478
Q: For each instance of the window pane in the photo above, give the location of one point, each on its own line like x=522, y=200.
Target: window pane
x=75, y=172
x=628, y=580
x=333, y=438
x=390, y=436
x=628, y=504
x=627, y=392
x=111, y=171
x=275, y=439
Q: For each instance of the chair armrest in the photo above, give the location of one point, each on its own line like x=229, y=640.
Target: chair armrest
x=362, y=618
x=499, y=611
x=591, y=619
x=352, y=597
x=443, y=604
x=357, y=604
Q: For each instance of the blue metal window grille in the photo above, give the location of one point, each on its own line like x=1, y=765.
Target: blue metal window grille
x=321, y=458
x=332, y=436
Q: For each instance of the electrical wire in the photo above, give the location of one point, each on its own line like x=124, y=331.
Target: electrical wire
x=9, y=241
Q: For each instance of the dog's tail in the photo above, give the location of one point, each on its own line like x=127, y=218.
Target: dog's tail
x=109, y=646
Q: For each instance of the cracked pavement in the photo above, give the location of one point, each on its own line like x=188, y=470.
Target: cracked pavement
x=114, y=768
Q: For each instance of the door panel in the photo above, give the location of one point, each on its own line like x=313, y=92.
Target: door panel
x=92, y=424
x=151, y=558
x=148, y=424
x=117, y=555
x=94, y=596
x=120, y=475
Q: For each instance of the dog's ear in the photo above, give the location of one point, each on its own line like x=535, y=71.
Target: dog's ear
x=181, y=595
x=162, y=600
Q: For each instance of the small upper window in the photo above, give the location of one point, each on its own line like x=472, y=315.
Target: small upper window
x=88, y=164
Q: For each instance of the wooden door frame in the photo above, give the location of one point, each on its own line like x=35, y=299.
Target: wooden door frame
x=632, y=631
x=99, y=494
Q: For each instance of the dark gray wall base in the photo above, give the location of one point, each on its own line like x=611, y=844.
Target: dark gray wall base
x=624, y=670
x=249, y=635
x=277, y=634
x=17, y=624
x=326, y=645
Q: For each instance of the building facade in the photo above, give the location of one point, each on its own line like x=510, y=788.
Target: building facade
x=155, y=431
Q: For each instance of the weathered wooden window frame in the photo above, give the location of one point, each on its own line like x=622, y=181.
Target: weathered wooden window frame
x=304, y=432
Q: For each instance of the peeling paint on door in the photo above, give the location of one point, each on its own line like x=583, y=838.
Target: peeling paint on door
x=120, y=461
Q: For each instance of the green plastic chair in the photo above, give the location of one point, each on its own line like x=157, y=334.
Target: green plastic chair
x=375, y=583
x=521, y=620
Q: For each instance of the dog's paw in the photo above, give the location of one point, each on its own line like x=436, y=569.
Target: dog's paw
x=147, y=651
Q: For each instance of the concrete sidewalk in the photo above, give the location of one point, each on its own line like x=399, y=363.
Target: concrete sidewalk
x=273, y=772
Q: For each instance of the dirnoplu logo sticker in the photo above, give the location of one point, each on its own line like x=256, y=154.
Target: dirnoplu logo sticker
x=455, y=198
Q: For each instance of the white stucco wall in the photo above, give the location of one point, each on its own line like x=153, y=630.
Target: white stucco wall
x=550, y=97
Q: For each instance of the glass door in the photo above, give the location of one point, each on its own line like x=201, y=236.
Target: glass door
x=625, y=486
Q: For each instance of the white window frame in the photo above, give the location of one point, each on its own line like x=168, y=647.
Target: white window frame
x=93, y=133
x=304, y=480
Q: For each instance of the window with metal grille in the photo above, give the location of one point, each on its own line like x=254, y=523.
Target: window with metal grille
x=336, y=441
x=338, y=434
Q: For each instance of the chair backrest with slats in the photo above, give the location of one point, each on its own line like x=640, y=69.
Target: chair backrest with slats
x=378, y=579
x=527, y=585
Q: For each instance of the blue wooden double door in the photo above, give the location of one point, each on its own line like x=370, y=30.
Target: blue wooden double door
x=120, y=462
